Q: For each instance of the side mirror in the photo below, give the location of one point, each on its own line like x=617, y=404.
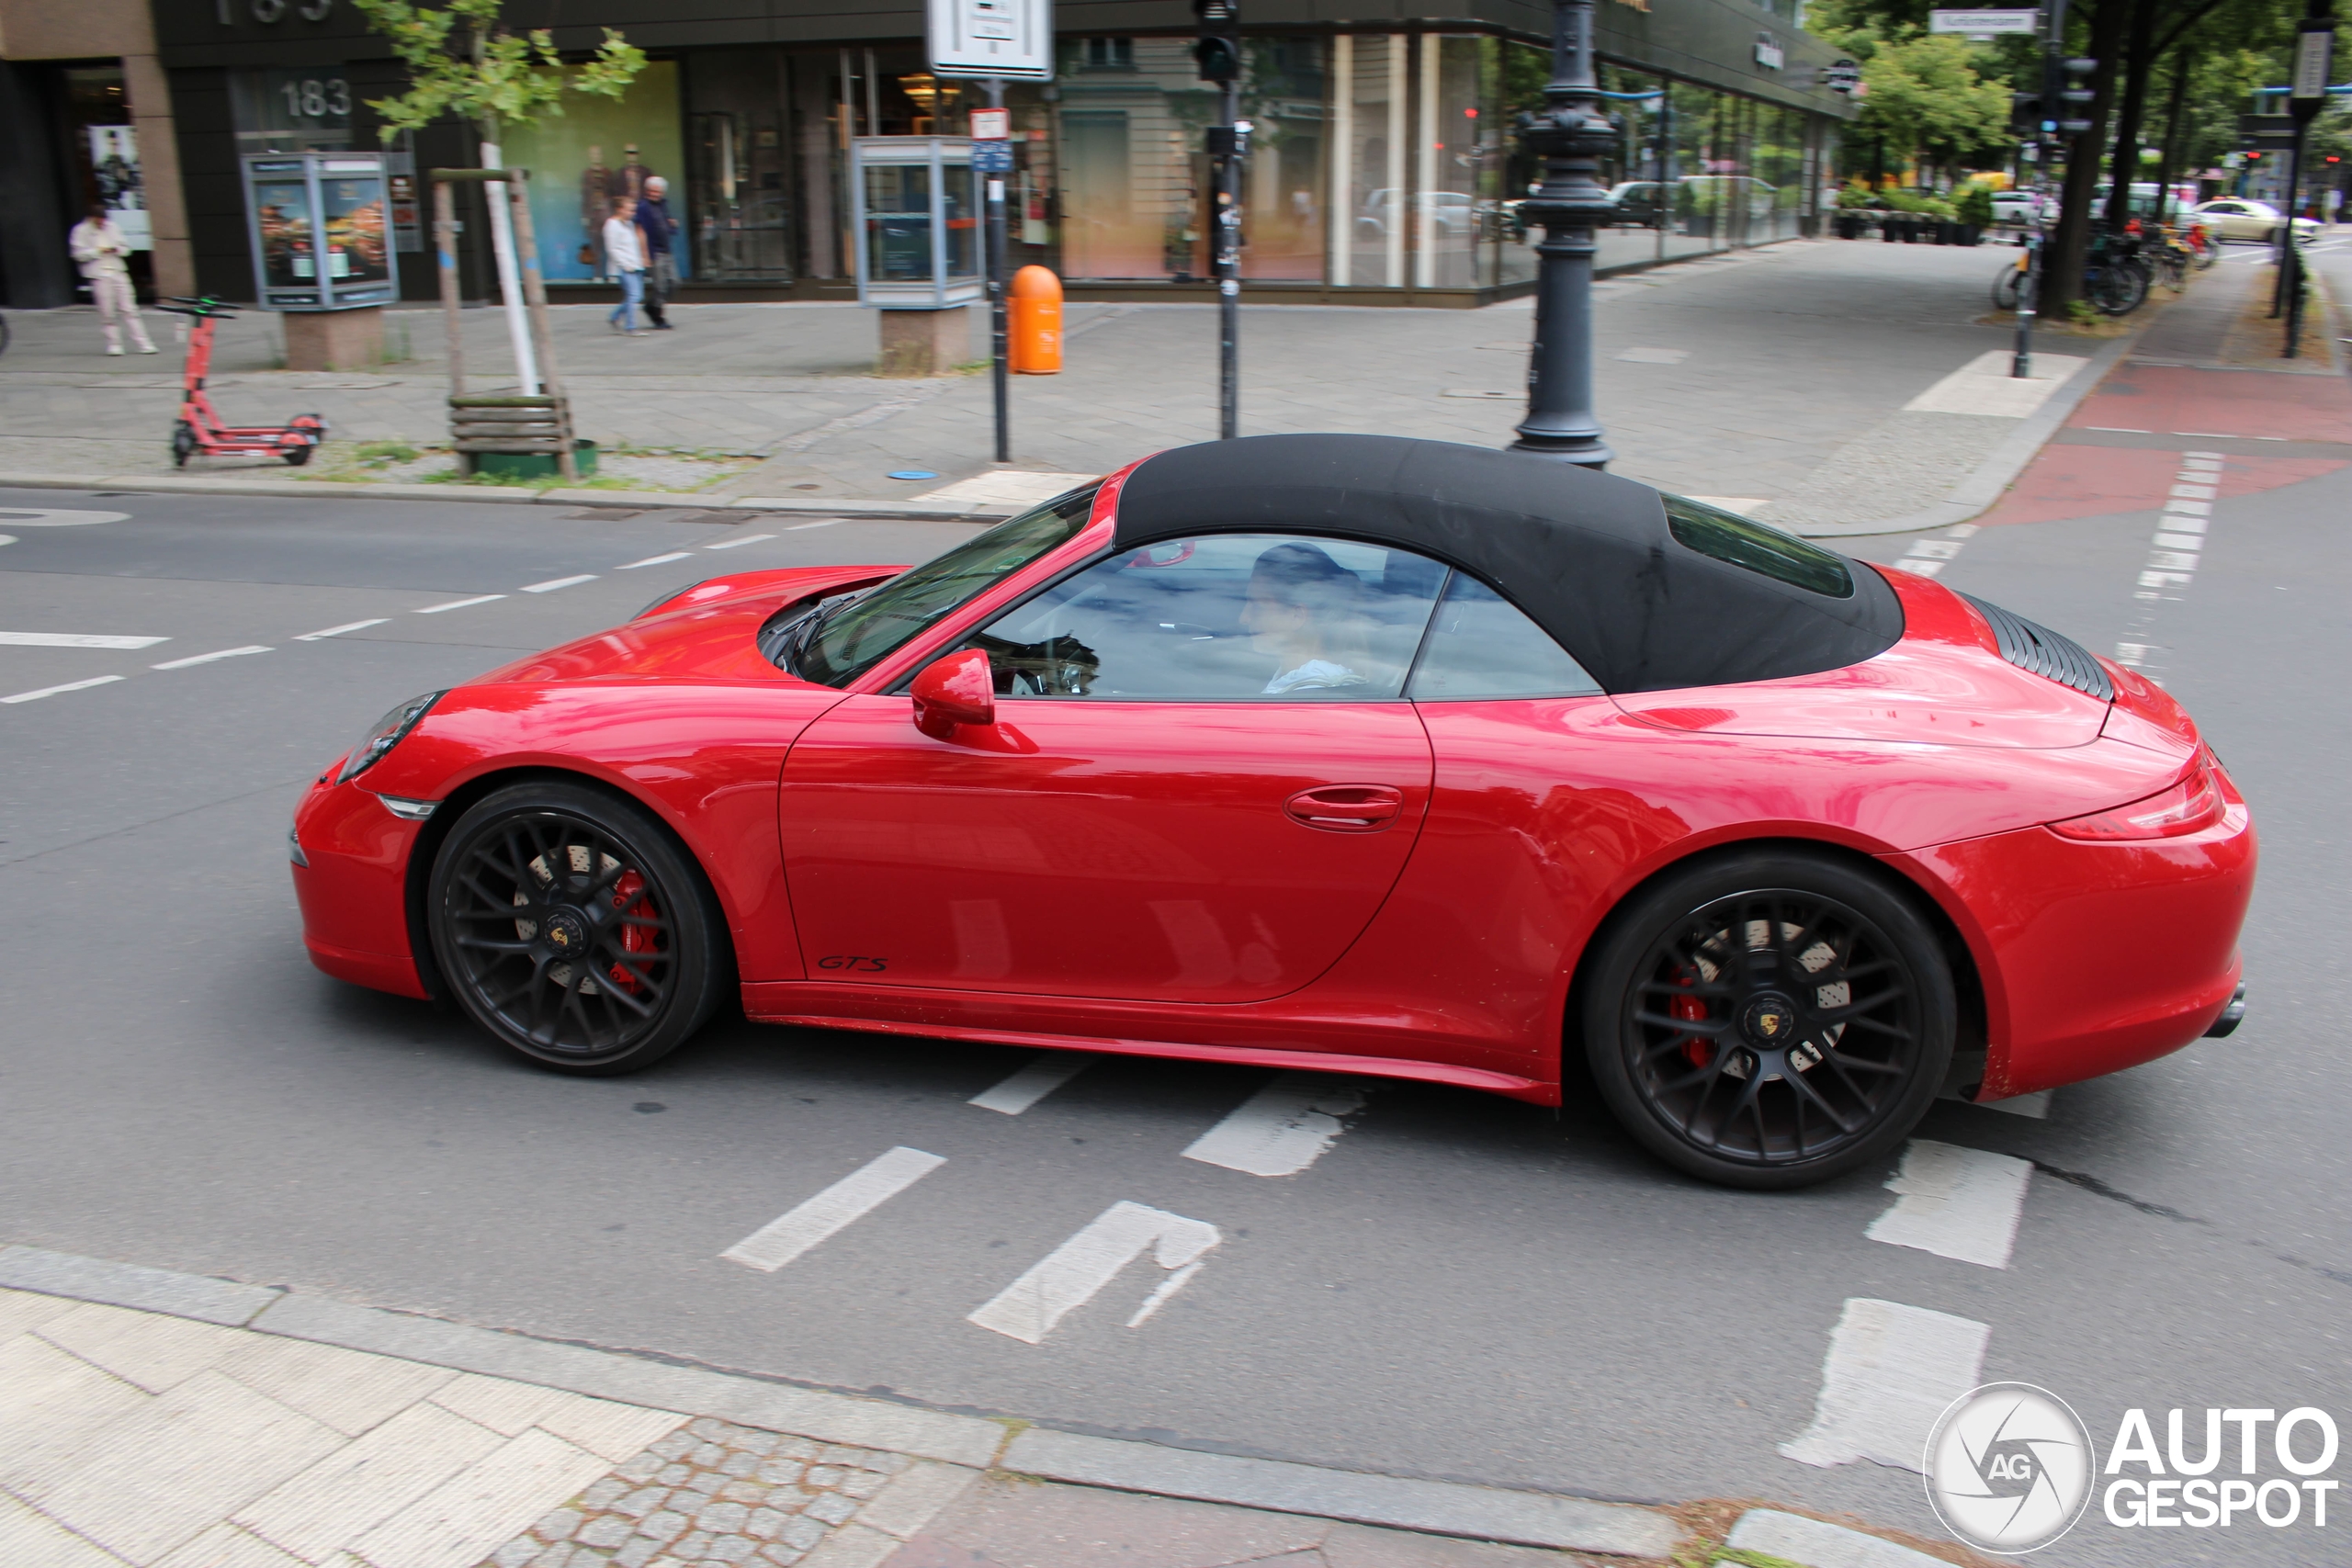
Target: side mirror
x=955, y=689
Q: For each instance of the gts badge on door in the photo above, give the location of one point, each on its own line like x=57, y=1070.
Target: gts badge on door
x=851, y=962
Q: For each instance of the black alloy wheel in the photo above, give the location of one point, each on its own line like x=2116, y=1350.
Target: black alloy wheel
x=183, y=444
x=1770, y=1018
x=568, y=923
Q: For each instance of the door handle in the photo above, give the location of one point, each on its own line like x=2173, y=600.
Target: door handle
x=1347, y=808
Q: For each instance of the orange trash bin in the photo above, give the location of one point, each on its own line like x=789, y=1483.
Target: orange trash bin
x=1036, y=325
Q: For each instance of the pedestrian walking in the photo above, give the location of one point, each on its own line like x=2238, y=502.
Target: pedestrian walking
x=624, y=257
x=655, y=222
x=100, y=250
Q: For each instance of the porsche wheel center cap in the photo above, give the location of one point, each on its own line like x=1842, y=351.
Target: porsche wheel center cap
x=567, y=933
x=1770, y=1020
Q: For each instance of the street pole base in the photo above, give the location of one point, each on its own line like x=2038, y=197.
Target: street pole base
x=1584, y=452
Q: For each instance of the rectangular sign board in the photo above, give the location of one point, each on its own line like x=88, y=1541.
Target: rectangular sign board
x=1012, y=38
x=1982, y=24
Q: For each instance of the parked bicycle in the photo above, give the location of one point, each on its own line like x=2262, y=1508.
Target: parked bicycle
x=2116, y=274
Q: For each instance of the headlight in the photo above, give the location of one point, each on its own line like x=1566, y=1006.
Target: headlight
x=385, y=734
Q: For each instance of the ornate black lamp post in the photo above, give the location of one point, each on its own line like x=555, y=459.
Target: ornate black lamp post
x=1569, y=134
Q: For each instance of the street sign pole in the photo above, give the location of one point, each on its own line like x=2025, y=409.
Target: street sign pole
x=999, y=165
x=2314, y=49
x=990, y=41
x=1217, y=54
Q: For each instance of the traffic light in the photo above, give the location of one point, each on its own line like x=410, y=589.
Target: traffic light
x=2054, y=110
x=2074, y=92
x=1218, y=50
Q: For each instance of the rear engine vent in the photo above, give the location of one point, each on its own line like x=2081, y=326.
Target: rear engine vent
x=2043, y=651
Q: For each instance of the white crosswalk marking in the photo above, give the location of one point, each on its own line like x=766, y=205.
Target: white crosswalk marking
x=1955, y=1202
x=75, y=639
x=847, y=1200
x=69, y=686
x=1024, y=1088
x=1068, y=1277
x=1891, y=1371
x=1282, y=1128
x=338, y=631
x=195, y=658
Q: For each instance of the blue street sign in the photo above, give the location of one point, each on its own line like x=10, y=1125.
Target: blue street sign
x=992, y=157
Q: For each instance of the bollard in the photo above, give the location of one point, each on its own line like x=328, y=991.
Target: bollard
x=1036, y=346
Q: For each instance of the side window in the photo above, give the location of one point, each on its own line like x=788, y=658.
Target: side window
x=1224, y=617
x=1481, y=646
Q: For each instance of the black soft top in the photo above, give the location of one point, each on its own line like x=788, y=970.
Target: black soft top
x=1588, y=556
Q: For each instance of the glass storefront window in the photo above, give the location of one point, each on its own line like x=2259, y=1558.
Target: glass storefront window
x=1368, y=76
x=1127, y=129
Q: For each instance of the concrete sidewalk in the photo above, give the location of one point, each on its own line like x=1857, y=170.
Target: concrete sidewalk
x=166, y=1420
x=1781, y=377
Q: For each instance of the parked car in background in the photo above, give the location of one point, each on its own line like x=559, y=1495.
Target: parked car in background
x=1451, y=212
x=1644, y=204
x=2021, y=206
x=2239, y=218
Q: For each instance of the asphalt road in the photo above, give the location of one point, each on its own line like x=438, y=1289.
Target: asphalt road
x=1459, y=1286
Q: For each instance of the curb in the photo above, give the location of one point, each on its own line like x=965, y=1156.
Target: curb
x=1976, y=495
x=499, y=495
x=1433, y=1507
x=971, y=1442
x=1815, y=1544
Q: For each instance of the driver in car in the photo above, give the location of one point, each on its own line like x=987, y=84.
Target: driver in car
x=1305, y=609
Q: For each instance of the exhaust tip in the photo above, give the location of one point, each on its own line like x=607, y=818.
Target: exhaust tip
x=2232, y=1016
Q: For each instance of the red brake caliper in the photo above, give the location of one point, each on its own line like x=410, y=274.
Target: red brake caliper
x=627, y=892
x=1691, y=1009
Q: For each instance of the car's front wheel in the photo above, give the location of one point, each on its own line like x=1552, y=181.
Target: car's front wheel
x=569, y=924
x=1768, y=1019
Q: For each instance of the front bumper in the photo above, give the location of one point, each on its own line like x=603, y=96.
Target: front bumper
x=351, y=879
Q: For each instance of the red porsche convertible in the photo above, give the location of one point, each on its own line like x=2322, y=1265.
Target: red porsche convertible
x=1364, y=754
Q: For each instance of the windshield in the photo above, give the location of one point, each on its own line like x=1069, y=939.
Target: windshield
x=845, y=637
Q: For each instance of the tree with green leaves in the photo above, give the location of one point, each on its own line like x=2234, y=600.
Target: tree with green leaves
x=463, y=60
x=496, y=78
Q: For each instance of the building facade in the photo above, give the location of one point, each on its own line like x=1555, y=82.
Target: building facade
x=86, y=115
x=1384, y=168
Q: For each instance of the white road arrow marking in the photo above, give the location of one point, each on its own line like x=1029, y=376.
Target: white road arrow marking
x=847, y=1200
x=1024, y=1088
x=1282, y=1128
x=1892, y=1369
x=1068, y=1277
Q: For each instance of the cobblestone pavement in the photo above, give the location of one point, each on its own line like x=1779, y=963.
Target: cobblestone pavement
x=1742, y=375
x=712, y=1492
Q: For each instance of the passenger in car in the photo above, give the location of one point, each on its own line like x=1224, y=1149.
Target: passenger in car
x=1306, y=609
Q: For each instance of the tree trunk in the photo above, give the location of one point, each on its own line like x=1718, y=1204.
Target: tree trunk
x=2138, y=65
x=2173, y=111
x=2062, y=266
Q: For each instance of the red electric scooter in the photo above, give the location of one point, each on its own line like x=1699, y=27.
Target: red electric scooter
x=200, y=431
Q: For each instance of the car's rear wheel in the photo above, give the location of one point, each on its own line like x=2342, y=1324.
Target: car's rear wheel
x=569, y=924
x=1769, y=1018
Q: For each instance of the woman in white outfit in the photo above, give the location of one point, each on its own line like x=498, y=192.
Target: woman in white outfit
x=100, y=249
x=625, y=256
